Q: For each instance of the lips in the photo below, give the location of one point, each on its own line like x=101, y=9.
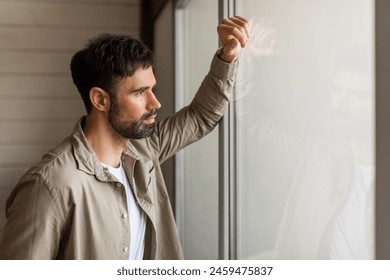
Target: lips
x=150, y=120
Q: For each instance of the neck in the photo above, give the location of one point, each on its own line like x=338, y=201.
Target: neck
x=107, y=145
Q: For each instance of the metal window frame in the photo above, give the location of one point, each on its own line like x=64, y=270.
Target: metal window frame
x=227, y=198
x=382, y=134
x=227, y=168
x=178, y=104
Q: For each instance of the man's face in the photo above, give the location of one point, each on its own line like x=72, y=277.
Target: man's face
x=351, y=100
x=132, y=114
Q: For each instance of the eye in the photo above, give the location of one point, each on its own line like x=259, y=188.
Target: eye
x=336, y=90
x=140, y=92
x=144, y=90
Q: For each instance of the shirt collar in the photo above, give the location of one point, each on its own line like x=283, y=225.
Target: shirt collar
x=85, y=156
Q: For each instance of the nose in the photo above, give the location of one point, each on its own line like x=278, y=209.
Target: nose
x=339, y=99
x=153, y=102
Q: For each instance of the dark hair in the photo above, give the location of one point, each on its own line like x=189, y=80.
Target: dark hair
x=105, y=60
x=356, y=58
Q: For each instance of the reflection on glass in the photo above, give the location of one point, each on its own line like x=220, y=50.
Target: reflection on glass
x=348, y=234
x=305, y=139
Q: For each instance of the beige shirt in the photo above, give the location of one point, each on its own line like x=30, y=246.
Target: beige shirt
x=68, y=206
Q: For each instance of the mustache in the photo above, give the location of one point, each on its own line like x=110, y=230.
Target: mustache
x=147, y=115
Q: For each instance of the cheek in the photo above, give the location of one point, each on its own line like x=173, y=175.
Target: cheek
x=131, y=110
x=335, y=100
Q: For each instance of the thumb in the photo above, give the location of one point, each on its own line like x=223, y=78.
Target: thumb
x=230, y=46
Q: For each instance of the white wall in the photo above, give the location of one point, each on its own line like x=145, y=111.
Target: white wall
x=39, y=104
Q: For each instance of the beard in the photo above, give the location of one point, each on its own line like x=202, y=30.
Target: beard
x=131, y=129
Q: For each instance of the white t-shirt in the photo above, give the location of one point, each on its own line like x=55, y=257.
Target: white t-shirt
x=136, y=216
x=350, y=233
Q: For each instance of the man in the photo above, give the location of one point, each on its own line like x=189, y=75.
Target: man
x=100, y=194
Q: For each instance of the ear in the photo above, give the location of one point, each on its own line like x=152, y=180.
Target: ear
x=100, y=99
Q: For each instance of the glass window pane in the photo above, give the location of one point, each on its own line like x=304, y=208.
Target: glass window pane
x=305, y=136
x=199, y=188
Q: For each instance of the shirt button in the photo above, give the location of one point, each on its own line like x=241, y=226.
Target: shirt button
x=125, y=249
x=124, y=215
x=118, y=185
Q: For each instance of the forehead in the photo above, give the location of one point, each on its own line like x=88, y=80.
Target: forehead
x=140, y=78
x=353, y=80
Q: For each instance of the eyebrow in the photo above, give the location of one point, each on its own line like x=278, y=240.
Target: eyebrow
x=138, y=89
x=142, y=88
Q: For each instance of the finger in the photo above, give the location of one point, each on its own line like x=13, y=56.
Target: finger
x=242, y=19
x=229, y=30
x=242, y=26
x=239, y=25
x=242, y=22
x=230, y=46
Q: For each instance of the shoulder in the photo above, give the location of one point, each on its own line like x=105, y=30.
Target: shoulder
x=36, y=186
x=55, y=159
x=56, y=167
